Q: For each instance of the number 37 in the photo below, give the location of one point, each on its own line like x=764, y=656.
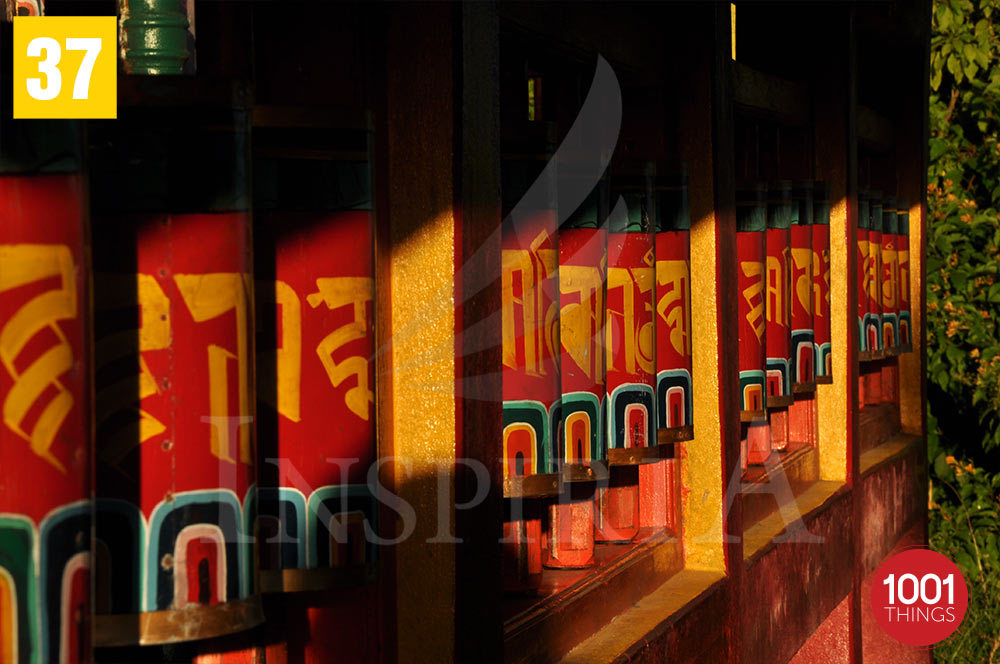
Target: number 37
x=53, y=77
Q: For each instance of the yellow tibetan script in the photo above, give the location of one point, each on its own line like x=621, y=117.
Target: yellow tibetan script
x=674, y=304
x=637, y=339
x=339, y=292
x=20, y=265
x=532, y=266
x=753, y=294
x=581, y=321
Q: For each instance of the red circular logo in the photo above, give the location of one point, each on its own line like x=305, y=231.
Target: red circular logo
x=919, y=597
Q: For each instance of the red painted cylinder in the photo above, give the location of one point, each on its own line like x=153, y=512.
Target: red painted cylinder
x=657, y=494
x=778, y=295
x=630, y=358
x=570, y=535
x=616, y=507
x=821, y=284
x=530, y=355
x=581, y=441
x=863, y=276
x=530, y=321
x=889, y=278
x=315, y=373
x=175, y=390
x=630, y=326
x=801, y=280
x=46, y=440
x=674, y=395
x=751, y=222
x=582, y=266
x=875, y=339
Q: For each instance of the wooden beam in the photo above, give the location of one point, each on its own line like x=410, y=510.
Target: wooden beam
x=768, y=95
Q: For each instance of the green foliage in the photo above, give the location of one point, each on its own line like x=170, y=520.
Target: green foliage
x=963, y=243
x=964, y=526
x=963, y=310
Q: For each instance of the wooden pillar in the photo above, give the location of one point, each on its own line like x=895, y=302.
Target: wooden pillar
x=478, y=619
x=419, y=418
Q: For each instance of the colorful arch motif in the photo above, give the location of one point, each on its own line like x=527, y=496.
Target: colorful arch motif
x=18, y=607
x=674, y=399
x=581, y=427
x=631, y=407
x=217, y=507
x=752, y=390
x=64, y=536
x=803, y=356
x=526, y=431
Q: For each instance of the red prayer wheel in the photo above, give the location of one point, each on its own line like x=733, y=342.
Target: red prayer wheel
x=674, y=395
x=570, y=536
x=801, y=278
x=176, y=480
x=531, y=348
x=865, y=322
x=751, y=223
x=876, y=347
x=582, y=252
x=530, y=329
x=821, y=284
x=903, y=251
x=582, y=273
x=315, y=350
x=630, y=328
x=778, y=295
x=45, y=377
x=630, y=358
x=889, y=278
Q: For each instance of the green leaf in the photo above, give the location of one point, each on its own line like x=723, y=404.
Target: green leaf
x=944, y=18
x=942, y=469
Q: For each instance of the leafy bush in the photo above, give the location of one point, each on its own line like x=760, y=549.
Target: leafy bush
x=963, y=243
x=963, y=312
x=964, y=526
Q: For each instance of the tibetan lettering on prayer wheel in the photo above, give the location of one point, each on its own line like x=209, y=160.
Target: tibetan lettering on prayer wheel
x=905, y=322
x=530, y=323
x=777, y=295
x=865, y=322
x=45, y=376
x=674, y=397
x=751, y=223
x=583, y=242
x=889, y=277
x=630, y=325
x=801, y=278
x=176, y=480
x=876, y=347
x=531, y=347
x=821, y=284
x=315, y=355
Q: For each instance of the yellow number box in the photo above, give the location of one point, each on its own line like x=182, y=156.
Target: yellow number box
x=65, y=67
